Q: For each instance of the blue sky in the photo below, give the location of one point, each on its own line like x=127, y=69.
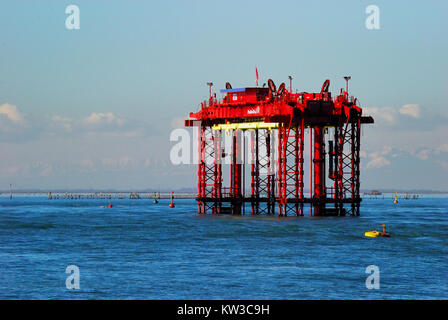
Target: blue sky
x=94, y=107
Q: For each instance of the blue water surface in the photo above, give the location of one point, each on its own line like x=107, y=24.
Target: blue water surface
x=142, y=250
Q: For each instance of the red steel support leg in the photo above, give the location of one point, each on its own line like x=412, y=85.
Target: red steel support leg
x=335, y=170
x=339, y=147
x=284, y=145
x=301, y=162
x=311, y=170
x=281, y=169
x=352, y=167
x=217, y=192
x=343, y=153
x=269, y=189
x=243, y=169
x=252, y=174
x=319, y=171
x=208, y=172
x=255, y=173
x=201, y=169
x=355, y=144
x=358, y=163
x=296, y=169
x=290, y=169
x=235, y=171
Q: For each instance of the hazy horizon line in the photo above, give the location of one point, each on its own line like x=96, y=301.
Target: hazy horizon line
x=186, y=190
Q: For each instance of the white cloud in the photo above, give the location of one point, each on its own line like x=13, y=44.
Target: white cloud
x=412, y=110
x=17, y=126
x=12, y=113
x=113, y=125
x=444, y=164
x=383, y=114
x=378, y=159
x=394, y=116
x=423, y=154
x=386, y=150
x=378, y=162
x=66, y=123
x=104, y=118
x=383, y=152
x=442, y=148
x=14, y=125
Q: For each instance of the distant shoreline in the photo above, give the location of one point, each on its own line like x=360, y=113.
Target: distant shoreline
x=102, y=195
x=183, y=194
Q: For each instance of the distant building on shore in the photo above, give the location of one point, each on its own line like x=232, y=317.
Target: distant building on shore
x=373, y=193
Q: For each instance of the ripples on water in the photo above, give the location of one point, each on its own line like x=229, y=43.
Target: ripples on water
x=141, y=250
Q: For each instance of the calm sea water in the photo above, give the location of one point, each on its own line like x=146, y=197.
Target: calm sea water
x=141, y=250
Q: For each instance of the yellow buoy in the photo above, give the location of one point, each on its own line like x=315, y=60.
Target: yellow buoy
x=377, y=234
x=396, y=199
x=373, y=234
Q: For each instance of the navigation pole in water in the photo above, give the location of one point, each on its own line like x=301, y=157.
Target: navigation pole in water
x=276, y=121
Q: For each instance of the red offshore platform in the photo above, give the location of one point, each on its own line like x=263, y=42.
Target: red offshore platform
x=277, y=181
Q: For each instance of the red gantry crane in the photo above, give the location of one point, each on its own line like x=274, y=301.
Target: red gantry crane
x=277, y=169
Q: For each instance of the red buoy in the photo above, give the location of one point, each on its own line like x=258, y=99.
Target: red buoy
x=172, y=200
x=109, y=206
